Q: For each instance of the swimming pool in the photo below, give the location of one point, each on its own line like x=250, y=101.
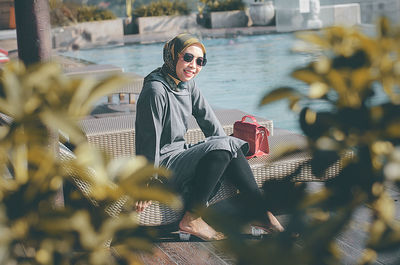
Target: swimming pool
x=238, y=73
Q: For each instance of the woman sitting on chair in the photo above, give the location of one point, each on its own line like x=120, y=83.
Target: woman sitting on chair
x=168, y=98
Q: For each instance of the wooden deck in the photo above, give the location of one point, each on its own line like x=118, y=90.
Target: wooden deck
x=186, y=253
x=170, y=250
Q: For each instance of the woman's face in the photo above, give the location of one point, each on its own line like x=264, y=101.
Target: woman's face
x=188, y=70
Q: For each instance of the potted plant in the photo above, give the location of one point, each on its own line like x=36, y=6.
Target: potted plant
x=164, y=16
x=262, y=12
x=77, y=26
x=222, y=14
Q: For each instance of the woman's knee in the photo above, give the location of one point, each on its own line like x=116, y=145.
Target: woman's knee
x=219, y=157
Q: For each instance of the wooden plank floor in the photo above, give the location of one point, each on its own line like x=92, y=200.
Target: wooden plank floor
x=350, y=241
x=187, y=253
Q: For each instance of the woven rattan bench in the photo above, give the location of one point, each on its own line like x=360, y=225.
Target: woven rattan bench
x=116, y=136
x=264, y=168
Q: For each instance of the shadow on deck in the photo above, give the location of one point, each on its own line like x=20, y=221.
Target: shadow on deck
x=170, y=250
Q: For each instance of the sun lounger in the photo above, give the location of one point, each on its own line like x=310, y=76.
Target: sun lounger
x=99, y=71
x=94, y=70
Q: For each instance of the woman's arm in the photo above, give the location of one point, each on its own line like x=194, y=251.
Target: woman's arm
x=148, y=127
x=149, y=121
x=204, y=114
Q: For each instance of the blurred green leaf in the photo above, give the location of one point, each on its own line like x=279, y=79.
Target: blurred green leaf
x=307, y=76
x=89, y=92
x=41, y=101
x=58, y=121
x=279, y=94
x=350, y=118
x=383, y=27
x=313, y=38
x=337, y=82
x=318, y=90
x=368, y=256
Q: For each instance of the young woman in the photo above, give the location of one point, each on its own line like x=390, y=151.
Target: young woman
x=168, y=98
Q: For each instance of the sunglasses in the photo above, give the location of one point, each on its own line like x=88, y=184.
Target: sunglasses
x=188, y=57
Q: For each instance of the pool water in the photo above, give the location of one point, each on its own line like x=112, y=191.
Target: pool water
x=238, y=73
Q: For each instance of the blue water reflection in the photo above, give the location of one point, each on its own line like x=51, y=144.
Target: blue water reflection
x=238, y=73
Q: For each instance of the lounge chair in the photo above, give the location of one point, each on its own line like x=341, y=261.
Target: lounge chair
x=116, y=103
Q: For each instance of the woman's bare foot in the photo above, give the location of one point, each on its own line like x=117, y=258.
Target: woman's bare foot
x=272, y=225
x=196, y=226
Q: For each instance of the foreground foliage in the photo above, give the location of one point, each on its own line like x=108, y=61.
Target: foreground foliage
x=162, y=8
x=357, y=78
x=65, y=14
x=36, y=227
x=220, y=5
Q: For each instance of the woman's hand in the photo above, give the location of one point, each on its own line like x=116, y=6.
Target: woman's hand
x=141, y=205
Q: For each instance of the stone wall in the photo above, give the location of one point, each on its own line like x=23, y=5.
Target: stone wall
x=227, y=19
x=291, y=19
x=345, y=14
x=372, y=9
x=166, y=23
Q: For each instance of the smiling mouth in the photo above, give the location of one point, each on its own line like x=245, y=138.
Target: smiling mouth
x=188, y=72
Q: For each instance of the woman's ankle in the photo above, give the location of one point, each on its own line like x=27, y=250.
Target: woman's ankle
x=187, y=219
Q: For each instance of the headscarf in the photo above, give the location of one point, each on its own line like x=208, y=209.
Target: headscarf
x=174, y=47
